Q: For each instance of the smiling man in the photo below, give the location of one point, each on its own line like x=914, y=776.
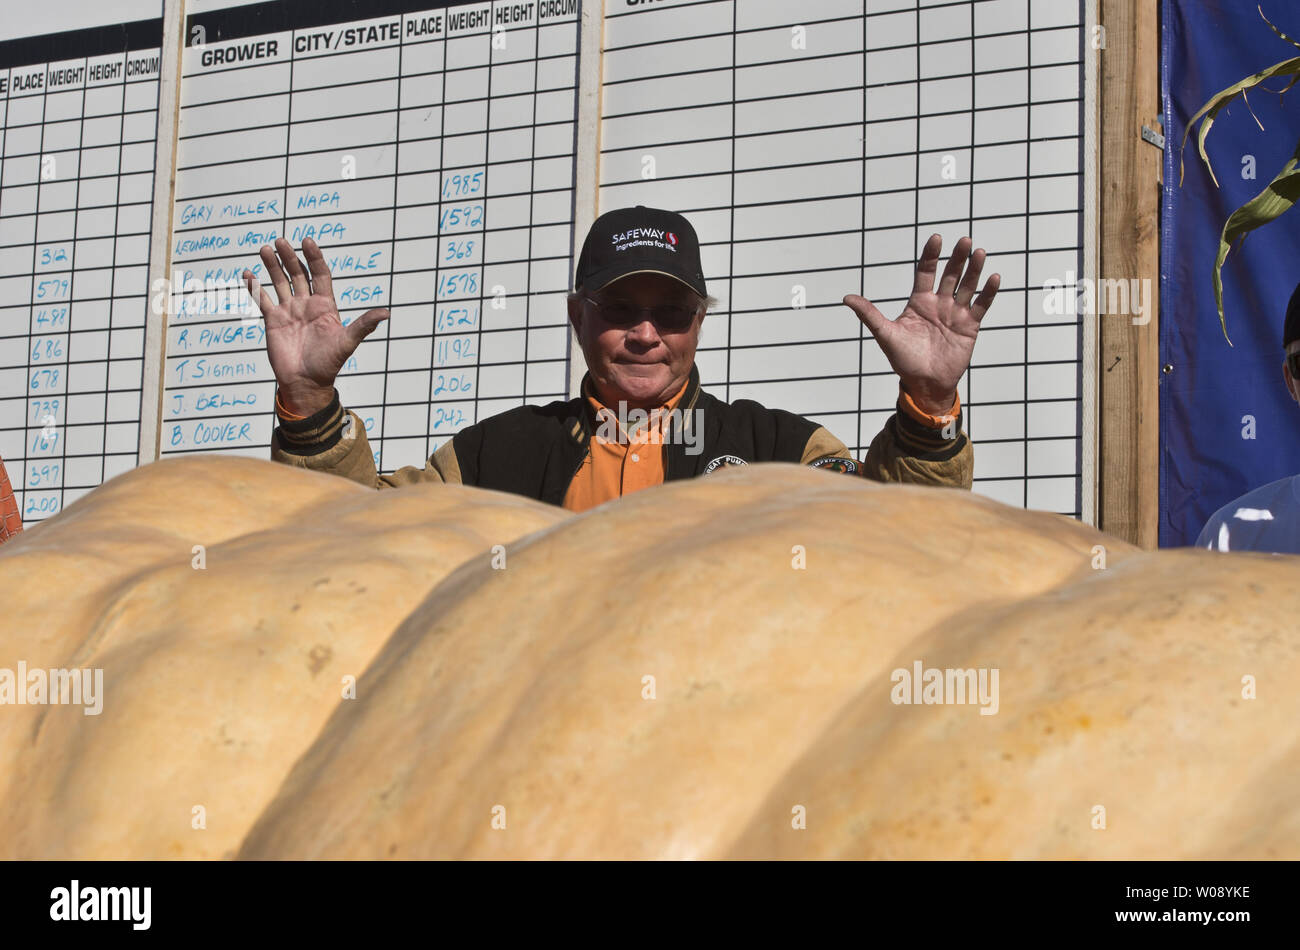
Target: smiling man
x=638, y=304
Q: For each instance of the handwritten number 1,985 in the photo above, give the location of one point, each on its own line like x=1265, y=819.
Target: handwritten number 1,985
x=462, y=185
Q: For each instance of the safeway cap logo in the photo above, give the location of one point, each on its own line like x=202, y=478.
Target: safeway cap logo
x=672, y=238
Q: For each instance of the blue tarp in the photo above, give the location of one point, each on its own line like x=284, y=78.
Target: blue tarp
x=1211, y=387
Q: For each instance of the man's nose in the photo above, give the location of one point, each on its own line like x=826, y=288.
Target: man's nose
x=644, y=331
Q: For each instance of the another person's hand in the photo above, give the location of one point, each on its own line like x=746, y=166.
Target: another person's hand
x=929, y=346
x=306, y=340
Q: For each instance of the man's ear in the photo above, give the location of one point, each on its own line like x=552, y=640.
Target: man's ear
x=1292, y=384
x=575, y=315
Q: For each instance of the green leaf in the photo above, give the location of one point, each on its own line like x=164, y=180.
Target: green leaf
x=1276, y=199
x=1273, y=28
x=1217, y=102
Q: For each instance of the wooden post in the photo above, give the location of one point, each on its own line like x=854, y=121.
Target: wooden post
x=586, y=158
x=1129, y=371
x=160, y=243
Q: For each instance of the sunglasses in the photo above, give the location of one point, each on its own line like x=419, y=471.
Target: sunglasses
x=621, y=313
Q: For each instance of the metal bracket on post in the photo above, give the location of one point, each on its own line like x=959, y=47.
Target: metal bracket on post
x=1155, y=138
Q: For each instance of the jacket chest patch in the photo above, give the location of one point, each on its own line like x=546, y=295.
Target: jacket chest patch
x=724, y=461
x=837, y=464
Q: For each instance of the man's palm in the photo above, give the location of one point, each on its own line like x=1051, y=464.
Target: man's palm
x=306, y=340
x=929, y=346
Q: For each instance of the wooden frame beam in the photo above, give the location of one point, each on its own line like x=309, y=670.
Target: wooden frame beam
x=1130, y=188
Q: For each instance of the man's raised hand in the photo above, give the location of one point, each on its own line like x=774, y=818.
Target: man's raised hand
x=929, y=346
x=306, y=340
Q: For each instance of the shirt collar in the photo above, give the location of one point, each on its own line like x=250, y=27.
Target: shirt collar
x=655, y=420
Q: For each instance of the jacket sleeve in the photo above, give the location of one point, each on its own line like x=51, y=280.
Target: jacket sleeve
x=906, y=450
x=334, y=440
x=821, y=444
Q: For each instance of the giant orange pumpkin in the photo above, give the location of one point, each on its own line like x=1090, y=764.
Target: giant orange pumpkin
x=708, y=668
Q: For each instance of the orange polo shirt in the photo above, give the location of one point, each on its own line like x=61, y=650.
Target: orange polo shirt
x=11, y=520
x=621, y=465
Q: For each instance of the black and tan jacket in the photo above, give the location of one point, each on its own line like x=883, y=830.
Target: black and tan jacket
x=537, y=450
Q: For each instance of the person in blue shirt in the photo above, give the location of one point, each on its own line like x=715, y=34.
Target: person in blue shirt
x=1268, y=518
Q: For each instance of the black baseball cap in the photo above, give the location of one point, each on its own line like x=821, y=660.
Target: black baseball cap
x=639, y=240
x=1291, y=328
